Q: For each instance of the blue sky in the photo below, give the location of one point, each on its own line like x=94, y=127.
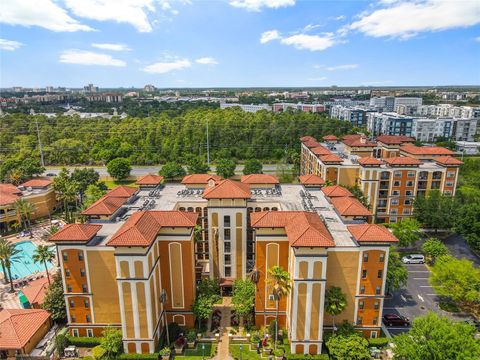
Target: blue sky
x=239, y=43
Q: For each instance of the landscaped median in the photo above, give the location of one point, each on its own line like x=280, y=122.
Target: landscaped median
x=248, y=354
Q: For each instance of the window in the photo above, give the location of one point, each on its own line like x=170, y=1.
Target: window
x=375, y=320
x=382, y=257
x=89, y=333
x=362, y=290
x=394, y=202
x=84, y=288
x=69, y=288
x=411, y=174
x=361, y=305
x=394, y=211
x=227, y=246
x=450, y=174
x=72, y=303
x=65, y=256
x=377, y=290
x=67, y=272
x=376, y=305
x=365, y=257
x=80, y=256
x=409, y=193
x=226, y=234
x=395, y=192
x=228, y=271
x=373, y=334
x=406, y=211
x=407, y=202
x=226, y=221
x=409, y=183
x=449, y=183
x=380, y=274
x=87, y=318
x=359, y=320
x=74, y=331
x=397, y=173
x=396, y=183
x=228, y=259
x=74, y=319
x=86, y=303
x=393, y=220
x=82, y=272
x=364, y=274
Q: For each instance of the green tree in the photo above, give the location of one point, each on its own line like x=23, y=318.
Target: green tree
x=226, y=168
x=44, y=254
x=3, y=246
x=434, y=337
x=24, y=209
x=31, y=167
x=202, y=308
x=359, y=195
x=397, y=274
x=351, y=347
x=433, y=249
x=335, y=302
x=84, y=178
x=8, y=255
x=119, y=168
x=252, y=166
x=93, y=193
x=407, y=231
x=172, y=170
x=468, y=223
x=196, y=165
x=61, y=342
x=208, y=287
x=458, y=280
x=66, y=191
x=111, y=342
x=431, y=210
x=243, y=298
x=54, y=301
x=278, y=280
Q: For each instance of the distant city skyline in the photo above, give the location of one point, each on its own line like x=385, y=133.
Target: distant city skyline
x=239, y=43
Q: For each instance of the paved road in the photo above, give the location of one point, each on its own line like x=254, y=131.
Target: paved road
x=460, y=249
x=416, y=299
x=143, y=170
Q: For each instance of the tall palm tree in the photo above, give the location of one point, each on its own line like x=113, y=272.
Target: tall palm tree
x=335, y=303
x=3, y=245
x=9, y=254
x=279, y=280
x=66, y=190
x=44, y=254
x=25, y=210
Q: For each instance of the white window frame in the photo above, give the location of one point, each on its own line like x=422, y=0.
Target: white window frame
x=75, y=332
x=89, y=332
x=373, y=334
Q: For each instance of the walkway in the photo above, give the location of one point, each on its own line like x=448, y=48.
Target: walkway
x=223, y=351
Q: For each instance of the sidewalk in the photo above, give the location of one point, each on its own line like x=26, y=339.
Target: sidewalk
x=223, y=351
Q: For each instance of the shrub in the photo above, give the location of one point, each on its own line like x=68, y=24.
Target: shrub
x=138, y=356
x=80, y=341
x=271, y=328
x=378, y=342
x=165, y=351
x=98, y=352
x=61, y=342
x=191, y=336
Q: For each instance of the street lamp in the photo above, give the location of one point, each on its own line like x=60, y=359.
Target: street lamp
x=241, y=348
x=203, y=351
x=163, y=300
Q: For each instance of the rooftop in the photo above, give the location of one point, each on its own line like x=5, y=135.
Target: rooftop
x=8, y=194
x=150, y=179
x=394, y=139
x=402, y=160
x=336, y=191
x=200, y=178
x=228, y=189
x=18, y=326
x=36, y=290
x=259, y=179
x=311, y=180
x=447, y=160
x=76, y=232
x=426, y=150
x=37, y=183
x=371, y=233
x=350, y=206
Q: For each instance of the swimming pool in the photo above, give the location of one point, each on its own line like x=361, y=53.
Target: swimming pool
x=25, y=265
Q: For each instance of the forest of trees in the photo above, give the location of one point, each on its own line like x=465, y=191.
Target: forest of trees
x=168, y=136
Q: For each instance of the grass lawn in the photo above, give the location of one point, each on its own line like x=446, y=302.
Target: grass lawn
x=197, y=353
x=113, y=184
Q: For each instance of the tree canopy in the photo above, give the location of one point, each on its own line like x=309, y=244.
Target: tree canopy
x=119, y=168
x=252, y=166
x=226, y=168
x=433, y=249
x=348, y=347
x=431, y=210
x=397, y=274
x=54, y=300
x=407, y=231
x=172, y=170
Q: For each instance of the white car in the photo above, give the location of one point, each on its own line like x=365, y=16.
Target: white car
x=413, y=259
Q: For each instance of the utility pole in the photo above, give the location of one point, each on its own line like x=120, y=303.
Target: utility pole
x=39, y=144
x=208, y=147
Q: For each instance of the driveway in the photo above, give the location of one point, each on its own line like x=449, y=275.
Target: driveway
x=459, y=248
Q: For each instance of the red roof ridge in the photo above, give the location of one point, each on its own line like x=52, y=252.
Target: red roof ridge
x=447, y=160
x=371, y=233
x=70, y=232
x=259, y=179
x=228, y=189
x=18, y=326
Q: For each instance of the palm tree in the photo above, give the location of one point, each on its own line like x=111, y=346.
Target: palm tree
x=44, y=254
x=279, y=280
x=3, y=245
x=66, y=190
x=9, y=254
x=16, y=176
x=335, y=303
x=24, y=210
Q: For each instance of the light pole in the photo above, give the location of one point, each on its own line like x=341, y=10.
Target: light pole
x=163, y=300
x=203, y=351
x=241, y=348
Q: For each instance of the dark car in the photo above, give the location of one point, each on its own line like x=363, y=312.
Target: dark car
x=395, y=320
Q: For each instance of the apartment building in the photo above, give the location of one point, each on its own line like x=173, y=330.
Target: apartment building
x=389, y=123
x=280, y=107
x=428, y=130
x=391, y=171
x=391, y=103
x=247, y=107
x=357, y=115
x=38, y=192
x=447, y=110
x=146, y=242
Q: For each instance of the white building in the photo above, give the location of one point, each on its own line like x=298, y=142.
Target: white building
x=389, y=103
x=248, y=108
x=468, y=147
x=428, y=130
x=389, y=123
x=280, y=107
x=464, y=129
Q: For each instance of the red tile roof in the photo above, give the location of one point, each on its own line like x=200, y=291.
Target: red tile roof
x=150, y=179
x=336, y=191
x=311, y=180
x=371, y=233
x=426, y=150
x=447, y=160
x=304, y=229
x=394, y=139
x=350, y=206
x=106, y=205
x=320, y=150
x=36, y=290
x=200, y=179
x=76, y=232
x=259, y=179
x=8, y=194
x=307, y=138
x=359, y=143
x=311, y=143
x=37, y=183
x=351, y=137
x=331, y=158
x=18, y=326
x=228, y=189
x=142, y=227
x=402, y=160
x=365, y=161
x=123, y=191
x=330, y=138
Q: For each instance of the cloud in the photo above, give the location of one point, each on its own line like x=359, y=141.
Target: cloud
x=322, y=78
x=133, y=12
x=407, y=19
x=339, y=18
x=111, y=47
x=43, y=13
x=309, y=42
x=269, y=36
x=342, y=67
x=477, y=39
x=81, y=57
x=9, y=45
x=165, y=67
x=206, y=61
x=257, y=5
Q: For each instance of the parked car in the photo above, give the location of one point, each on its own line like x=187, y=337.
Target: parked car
x=395, y=320
x=413, y=259
x=51, y=174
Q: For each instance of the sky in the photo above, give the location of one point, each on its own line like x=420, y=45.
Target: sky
x=239, y=43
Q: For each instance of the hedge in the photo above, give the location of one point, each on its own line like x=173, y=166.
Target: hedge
x=138, y=356
x=378, y=342
x=308, y=357
x=83, y=341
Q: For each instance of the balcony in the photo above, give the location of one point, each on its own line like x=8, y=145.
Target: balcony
x=384, y=186
x=382, y=204
x=435, y=185
x=422, y=186
x=383, y=194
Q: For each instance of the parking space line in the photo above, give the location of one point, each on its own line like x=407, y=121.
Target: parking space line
x=420, y=297
x=425, y=286
x=421, y=271
x=420, y=278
